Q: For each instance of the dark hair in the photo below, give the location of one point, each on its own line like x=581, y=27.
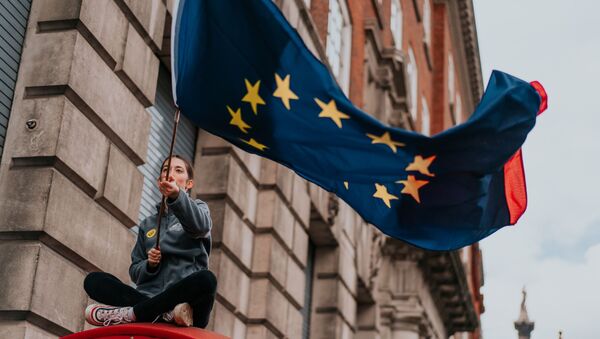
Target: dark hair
x=188, y=165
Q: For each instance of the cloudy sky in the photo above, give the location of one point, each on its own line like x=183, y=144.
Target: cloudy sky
x=555, y=248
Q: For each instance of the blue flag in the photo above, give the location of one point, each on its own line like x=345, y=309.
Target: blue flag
x=243, y=73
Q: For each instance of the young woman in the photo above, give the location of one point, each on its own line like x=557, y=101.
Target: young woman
x=173, y=282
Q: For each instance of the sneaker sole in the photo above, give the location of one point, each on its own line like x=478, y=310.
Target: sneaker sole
x=89, y=315
x=183, y=315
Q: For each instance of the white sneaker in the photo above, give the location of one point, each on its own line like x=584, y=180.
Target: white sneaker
x=182, y=315
x=102, y=315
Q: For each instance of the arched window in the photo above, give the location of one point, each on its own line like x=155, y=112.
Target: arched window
x=396, y=23
x=427, y=22
x=339, y=36
x=413, y=83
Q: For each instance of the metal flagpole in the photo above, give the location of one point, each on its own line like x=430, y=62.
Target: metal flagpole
x=163, y=203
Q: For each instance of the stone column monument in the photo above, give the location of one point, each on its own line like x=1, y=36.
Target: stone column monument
x=523, y=325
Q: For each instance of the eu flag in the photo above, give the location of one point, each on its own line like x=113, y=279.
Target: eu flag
x=243, y=73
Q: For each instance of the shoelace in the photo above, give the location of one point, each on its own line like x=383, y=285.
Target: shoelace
x=168, y=316
x=114, y=316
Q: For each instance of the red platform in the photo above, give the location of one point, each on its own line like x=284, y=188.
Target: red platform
x=145, y=331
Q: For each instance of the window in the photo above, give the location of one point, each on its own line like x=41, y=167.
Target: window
x=396, y=23
x=458, y=110
x=465, y=255
x=451, y=80
x=425, y=120
x=159, y=141
x=338, y=42
x=427, y=22
x=413, y=83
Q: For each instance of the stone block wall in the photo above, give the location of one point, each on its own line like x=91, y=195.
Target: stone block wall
x=69, y=187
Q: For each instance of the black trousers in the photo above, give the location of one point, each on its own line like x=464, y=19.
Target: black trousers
x=198, y=289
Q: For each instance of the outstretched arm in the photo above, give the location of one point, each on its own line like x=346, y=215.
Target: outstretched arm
x=193, y=215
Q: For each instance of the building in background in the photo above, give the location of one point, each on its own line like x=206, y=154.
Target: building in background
x=85, y=119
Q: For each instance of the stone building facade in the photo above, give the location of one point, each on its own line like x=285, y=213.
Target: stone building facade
x=292, y=260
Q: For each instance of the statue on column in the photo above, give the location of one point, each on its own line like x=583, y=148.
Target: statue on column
x=523, y=325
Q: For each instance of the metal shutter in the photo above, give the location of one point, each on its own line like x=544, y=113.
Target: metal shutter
x=160, y=139
x=13, y=24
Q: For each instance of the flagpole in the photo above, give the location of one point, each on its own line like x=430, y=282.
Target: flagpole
x=163, y=203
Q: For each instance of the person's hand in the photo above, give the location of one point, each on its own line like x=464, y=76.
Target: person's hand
x=169, y=188
x=153, y=258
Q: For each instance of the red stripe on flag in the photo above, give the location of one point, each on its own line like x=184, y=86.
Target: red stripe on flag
x=515, y=188
x=542, y=92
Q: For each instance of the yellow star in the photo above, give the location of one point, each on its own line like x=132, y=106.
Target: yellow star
x=252, y=96
x=330, y=111
x=385, y=139
x=383, y=194
x=421, y=165
x=255, y=144
x=283, y=90
x=346, y=184
x=411, y=186
x=236, y=119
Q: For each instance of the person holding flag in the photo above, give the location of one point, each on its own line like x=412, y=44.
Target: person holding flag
x=173, y=280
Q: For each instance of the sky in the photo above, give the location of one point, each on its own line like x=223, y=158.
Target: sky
x=554, y=250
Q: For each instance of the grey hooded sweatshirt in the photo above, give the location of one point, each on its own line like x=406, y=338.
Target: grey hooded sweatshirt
x=185, y=245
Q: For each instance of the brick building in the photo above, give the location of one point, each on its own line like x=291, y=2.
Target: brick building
x=85, y=119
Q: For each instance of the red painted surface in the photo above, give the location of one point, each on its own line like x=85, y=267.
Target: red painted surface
x=145, y=331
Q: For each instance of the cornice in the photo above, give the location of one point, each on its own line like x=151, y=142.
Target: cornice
x=463, y=26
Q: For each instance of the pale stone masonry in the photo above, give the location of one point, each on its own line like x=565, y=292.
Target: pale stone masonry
x=289, y=256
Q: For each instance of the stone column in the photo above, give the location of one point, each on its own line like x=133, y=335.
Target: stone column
x=406, y=320
x=523, y=325
x=408, y=310
x=403, y=330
